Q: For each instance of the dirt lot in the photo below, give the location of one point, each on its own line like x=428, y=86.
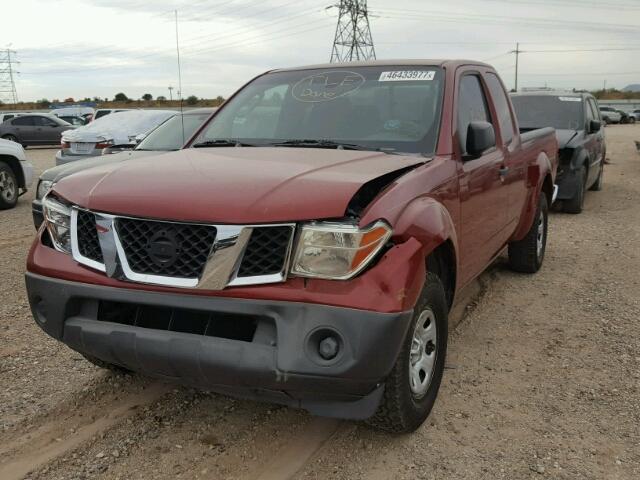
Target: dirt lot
x=543, y=379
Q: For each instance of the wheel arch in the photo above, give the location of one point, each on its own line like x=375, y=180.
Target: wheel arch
x=428, y=221
x=539, y=181
x=547, y=188
x=582, y=160
x=442, y=262
x=14, y=165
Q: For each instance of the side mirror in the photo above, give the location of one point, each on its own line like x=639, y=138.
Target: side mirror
x=140, y=137
x=594, y=126
x=480, y=137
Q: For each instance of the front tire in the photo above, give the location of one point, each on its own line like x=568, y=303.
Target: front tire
x=412, y=386
x=527, y=255
x=11, y=138
x=576, y=204
x=8, y=187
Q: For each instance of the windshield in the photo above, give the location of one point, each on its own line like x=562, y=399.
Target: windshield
x=393, y=108
x=537, y=111
x=169, y=135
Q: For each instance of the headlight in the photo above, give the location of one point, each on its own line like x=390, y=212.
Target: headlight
x=337, y=251
x=57, y=217
x=43, y=187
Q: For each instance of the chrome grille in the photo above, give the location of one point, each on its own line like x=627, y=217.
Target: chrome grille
x=175, y=254
x=165, y=248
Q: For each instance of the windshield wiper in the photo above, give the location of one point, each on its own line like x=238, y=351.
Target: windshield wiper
x=325, y=144
x=222, y=142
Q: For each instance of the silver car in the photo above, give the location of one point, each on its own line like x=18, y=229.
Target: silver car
x=119, y=128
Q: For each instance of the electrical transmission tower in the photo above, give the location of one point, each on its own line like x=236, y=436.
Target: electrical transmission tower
x=353, y=39
x=8, y=92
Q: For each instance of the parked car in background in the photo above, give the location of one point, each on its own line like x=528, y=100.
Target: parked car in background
x=308, y=246
x=610, y=115
x=77, y=121
x=626, y=117
x=16, y=174
x=169, y=136
x=119, y=128
x=72, y=111
x=34, y=129
x=4, y=116
x=101, y=112
x=636, y=115
x=581, y=141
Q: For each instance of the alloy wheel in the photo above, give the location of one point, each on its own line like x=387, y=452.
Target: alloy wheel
x=7, y=187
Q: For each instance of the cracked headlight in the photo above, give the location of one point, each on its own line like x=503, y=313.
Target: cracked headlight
x=57, y=217
x=337, y=251
x=43, y=188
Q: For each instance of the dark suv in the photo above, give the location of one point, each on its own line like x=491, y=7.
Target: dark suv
x=578, y=124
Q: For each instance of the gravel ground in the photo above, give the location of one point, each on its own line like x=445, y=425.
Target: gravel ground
x=542, y=379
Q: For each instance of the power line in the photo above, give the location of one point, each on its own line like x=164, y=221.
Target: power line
x=439, y=15
x=190, y=44
x=299, y=29
x=8, y=92
x=353, y=39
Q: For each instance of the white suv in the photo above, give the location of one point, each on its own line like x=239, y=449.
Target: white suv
x=16, y=174
x=610, y=115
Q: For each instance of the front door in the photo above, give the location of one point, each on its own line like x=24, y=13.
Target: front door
x=47, y=131
x=483, y=200
x=24, y=128
x=595, y=141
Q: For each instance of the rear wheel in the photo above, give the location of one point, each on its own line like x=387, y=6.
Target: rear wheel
x=526, y=255
x=412, y=386
x=575, y=204
x=11, y=138
x=8, y=187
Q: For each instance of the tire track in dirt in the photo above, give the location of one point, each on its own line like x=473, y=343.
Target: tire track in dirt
x=300, y=448
x=31, y=451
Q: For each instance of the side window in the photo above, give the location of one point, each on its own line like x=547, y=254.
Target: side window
x=472, y=107
x=43, y=122
x=594, y=109
x=22, y=121
x=7, y=117
x=502, y=107
x=102, y=113
x=588, y=111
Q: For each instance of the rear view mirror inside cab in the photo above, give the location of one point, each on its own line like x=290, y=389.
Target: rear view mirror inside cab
x=481, y=136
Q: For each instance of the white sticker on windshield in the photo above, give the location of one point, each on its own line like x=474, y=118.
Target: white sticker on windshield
x=407, y=75
x=570, y=99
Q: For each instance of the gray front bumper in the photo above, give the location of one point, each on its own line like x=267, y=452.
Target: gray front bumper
x=277, y=365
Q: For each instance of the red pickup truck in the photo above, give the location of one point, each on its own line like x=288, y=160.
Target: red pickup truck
x=307, y=247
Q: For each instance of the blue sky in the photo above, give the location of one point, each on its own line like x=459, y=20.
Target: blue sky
x=78, y=48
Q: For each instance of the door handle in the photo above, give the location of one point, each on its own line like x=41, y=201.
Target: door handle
x=503, y=171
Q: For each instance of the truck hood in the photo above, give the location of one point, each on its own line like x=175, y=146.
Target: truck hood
x=232, y=185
